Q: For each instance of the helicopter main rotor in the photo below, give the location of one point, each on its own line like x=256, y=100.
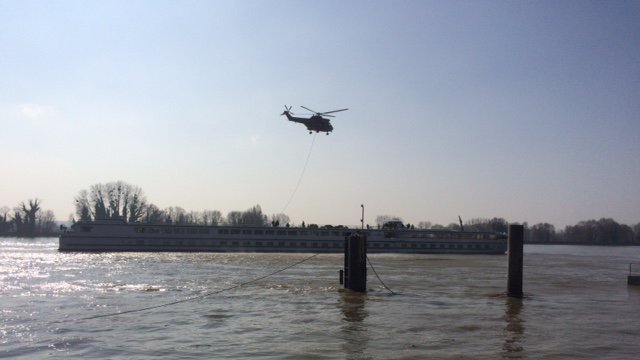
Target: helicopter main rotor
x=323, y=113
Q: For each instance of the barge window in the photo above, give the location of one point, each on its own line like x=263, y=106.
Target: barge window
x=203, y=231
x=292, y=233
x=192, y=231
x=246, y=232
x=303, y=232
x=270, y=243
x=223, y=231
x=140, y=230
x=234, y=243
x=168, y=230
x=269, y=232
x=223, y=243
x=235, y=231
x=178, y=231
x=258, y=243
x=258, y=232
x=281, y=243
x=281, y=232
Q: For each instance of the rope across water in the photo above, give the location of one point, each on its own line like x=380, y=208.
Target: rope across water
x=226, y=289
x=203, y=295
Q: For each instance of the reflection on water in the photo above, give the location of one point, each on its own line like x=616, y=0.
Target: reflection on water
x=354, y=332
x=514, y=330
x=352, y=306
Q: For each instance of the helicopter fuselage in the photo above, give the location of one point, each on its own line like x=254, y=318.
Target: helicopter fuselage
x=315, y=123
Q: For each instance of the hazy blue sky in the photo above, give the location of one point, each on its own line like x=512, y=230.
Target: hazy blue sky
x=527, y=110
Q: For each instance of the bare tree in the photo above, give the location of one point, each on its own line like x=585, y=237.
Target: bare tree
x=211, y=217
x=135, y=203
x=542, y=233
x=29, y=215
x=5, y=223
x=46, y=222
x=234, y=218
x=113, y=200
x=98, y=197
x=83, y=207
x=254, y=216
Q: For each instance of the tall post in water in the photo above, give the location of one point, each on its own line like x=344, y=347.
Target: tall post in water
x=355, y=262
x=516, y=251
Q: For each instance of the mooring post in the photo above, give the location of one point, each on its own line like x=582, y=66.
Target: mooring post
x=355, y=262
x=516, y=251
x=344, y=278
x=634, y=274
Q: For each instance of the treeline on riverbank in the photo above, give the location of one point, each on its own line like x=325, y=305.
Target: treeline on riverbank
x=27, y=219
x=605, y=231
x=120, y=200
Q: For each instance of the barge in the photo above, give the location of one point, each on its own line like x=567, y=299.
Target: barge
x=117, y=235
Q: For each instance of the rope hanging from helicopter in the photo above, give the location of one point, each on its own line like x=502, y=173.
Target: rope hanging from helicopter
x=304, y=169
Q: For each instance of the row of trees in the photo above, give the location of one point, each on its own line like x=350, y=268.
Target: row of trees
x=476, y=224
x=27, y=219
x=605, y=231
x=120, y=200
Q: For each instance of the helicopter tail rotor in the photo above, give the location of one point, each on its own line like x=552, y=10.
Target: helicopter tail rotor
x=287, y=109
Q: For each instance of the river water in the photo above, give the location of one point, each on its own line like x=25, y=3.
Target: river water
x=58, y=305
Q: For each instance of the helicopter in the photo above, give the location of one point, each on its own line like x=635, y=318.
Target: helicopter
x=316, y=122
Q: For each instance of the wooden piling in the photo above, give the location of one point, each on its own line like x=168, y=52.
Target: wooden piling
x=634, y=274
x=516, y=251
x=355, y=262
